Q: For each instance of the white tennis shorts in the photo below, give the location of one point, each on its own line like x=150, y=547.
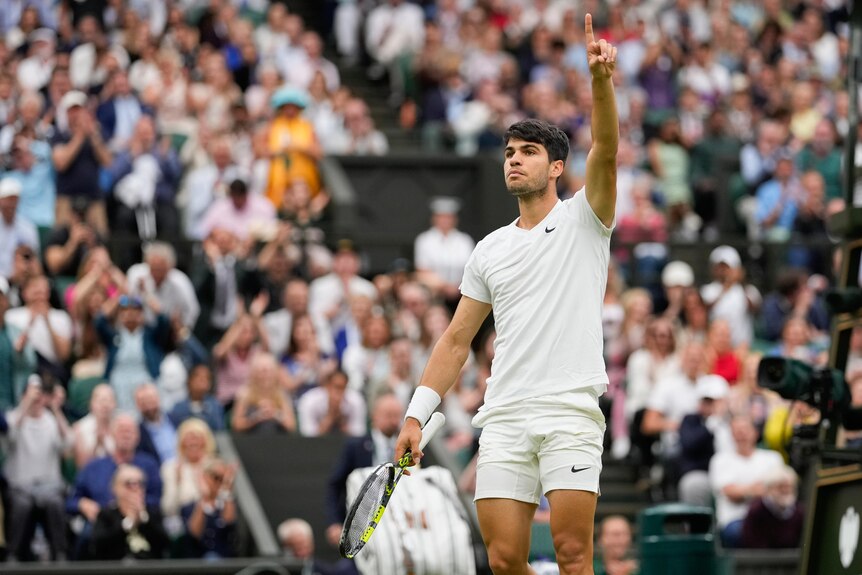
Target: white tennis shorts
x=540, y=445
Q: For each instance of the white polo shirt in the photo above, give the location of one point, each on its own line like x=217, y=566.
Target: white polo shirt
x=546, y=286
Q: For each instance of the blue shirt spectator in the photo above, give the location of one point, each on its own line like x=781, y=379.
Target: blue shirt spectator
x=33, y=168
x=200, y=402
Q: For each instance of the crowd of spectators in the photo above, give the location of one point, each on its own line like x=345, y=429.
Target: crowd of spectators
x=206, y=121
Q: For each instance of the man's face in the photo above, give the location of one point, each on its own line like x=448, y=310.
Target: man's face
x=159, y=269
x=336, y=387
x=387, y=416
x=8, y=207
x=296, y=297
x=615, y=539
x=527, y=168
x=148, y=403
x=126, y=434
x=199, y=383
x=131, y=318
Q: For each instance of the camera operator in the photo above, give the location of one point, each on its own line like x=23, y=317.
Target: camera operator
x=210, y=521
x=38, y=437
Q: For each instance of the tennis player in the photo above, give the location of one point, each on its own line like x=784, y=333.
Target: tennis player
x=544, y=276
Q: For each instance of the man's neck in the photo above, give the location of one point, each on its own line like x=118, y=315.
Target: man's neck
x=123, y=456
x=534, y=208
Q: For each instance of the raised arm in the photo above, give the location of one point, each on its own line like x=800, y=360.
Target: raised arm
x=601, y=183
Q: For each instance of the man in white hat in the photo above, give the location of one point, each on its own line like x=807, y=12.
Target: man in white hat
x=728, y=297
x=35, y=71
x=14, y=229
x=442, y=251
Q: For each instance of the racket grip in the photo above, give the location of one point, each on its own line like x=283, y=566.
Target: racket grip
x=433, y=426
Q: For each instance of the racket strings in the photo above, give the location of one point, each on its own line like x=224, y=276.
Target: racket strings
x=368, y=503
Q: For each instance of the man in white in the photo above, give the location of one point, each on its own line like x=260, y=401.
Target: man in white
x=279, y=323
x=442, y=252
x=331, y=408
x=329, y=295
x=738, y=476
x=728, y=297
x=394, y=30
x=14, y=229
x=157, y=276
x=544, y=275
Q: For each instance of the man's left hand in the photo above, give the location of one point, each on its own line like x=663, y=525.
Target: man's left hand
x=601, y=55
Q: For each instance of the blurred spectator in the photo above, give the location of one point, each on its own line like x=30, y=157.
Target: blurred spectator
x=777, y=201
x=159, y=277
x=211, y=519
x=32, y=124
x=243, y=214
x=676, y=277
x=329, y=295
x=33, y=169
x=35, y=70
x=738, y=476
x=614, y=547
x=358, y=135
x=823, y=154
x=377, y=446
x=92, y=433
x=795, y=342
x=332, y=408
x=394, y=32
x=279, y=322
x=78, y=153
x=698, y=441
x=135, y=348
x=206, y=184
x=293, y=145
x=200, y=402
x=25, y=266
x=69, y=242
x=218, y=269
x=441, y=252
x=42, y=335
x=758, y=158
x=307, y=364
x=720, y=357
x=181, y=475
x=747, y=397
x=119, y=111
x=367, y=362
x=235, y=352
x=728, y=297
x=793, y=297
x=308, y=60
x=642, y=225
x=158, y=434
x=669, y=161
x=402, y=378
x=144, y=177
x=130, y=527
x=775, y=520
x=15, y=229
x=711, y=157
x=7, y=372
x=38, y=437
x=262, y=406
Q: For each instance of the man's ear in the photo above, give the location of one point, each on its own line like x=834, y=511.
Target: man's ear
x=557, y=168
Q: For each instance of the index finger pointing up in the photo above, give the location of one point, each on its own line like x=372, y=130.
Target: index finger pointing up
x=588, y=29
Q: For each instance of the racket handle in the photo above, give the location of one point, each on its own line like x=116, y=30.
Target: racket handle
x=433, y=426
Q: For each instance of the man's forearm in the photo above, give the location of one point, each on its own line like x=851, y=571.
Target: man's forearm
x=605, y=121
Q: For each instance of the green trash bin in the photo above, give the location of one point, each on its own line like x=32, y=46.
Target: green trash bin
x=677, y=539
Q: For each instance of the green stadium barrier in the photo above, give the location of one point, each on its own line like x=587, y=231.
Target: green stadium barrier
x=677, y=539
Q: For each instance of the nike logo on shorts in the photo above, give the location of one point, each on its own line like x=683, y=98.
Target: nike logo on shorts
x=574, y=470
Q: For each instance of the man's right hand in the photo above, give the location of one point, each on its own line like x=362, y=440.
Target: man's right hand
x=89, y=509
x=409, y=438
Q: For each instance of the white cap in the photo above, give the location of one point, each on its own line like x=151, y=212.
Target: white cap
x=725, y=255
x=445, y=205
x=677, y=273
x=9, y=187
x=43, y=35
x=73, y=98
x=712, y=387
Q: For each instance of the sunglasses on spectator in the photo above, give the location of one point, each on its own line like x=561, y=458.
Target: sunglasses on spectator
x=134, y=483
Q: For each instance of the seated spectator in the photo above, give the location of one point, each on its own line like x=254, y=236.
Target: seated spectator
x=129, y=527
x=728, y=296
x=25, y=266
x=796, y=342
x=41, y=335
x=135, y=348
x=119, y=112
x=200, y=403
x=38, y=437
x=262, y=406
x=158, y=435
x=92, y=433
x=306, y=363
x=748, y=397
x=367, y=363
x=792, y=297
x=331, y=408
x=181, y=475
x=720, y=357
x=70, y=242
x=33, y=169
x=92, y=491
x=403, y=379
x=824, y=155
x=359, y=136
x=240, y=212
x=614, y=547
x=159, y=277
x=279, y=321
x=211, y=519
x=234, y=354
x=206, y=184
x=78, y=155
x=297, y=542
x=775, y=520
x=329, y=295
x=737, y=476
x=15, y=229
x=670, y=163
x=777, y=201
x=442, y=251
x=698, y=442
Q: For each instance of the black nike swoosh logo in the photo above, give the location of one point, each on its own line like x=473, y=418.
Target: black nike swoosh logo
x=578, y=470
x=549, y=230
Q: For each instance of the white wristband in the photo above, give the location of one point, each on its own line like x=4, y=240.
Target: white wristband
x=425, y=401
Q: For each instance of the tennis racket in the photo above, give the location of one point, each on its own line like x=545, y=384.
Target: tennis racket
x=374, y=495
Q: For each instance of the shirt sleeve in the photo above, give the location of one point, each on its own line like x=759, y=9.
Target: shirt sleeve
x=579, y=208
x=473, y=284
